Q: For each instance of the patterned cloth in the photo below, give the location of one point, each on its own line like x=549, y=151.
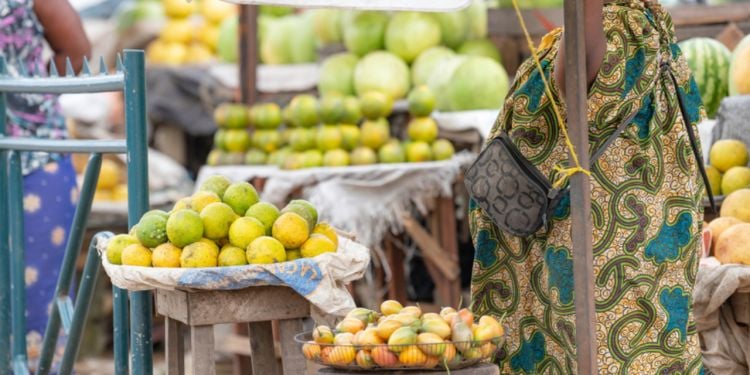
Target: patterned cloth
x=646, y=213
x=28, y=115
x=49, y=201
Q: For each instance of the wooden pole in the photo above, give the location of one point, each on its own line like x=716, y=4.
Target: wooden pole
x=580, y=190
x=248, y=64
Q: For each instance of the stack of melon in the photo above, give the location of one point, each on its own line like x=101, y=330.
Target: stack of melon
x=391, y=54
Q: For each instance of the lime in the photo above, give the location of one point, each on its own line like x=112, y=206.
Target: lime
x=240, y=196
x=293, y=254
x=201, y=199
x=375, y=105
x=182, y=204
x=328, y=231
x=203, y=253
x=352, y=110
x=328, y=138
x=442, y=149
x=115, y=246
x=363, y=156
x=421, y=101
x=418, y=152
x=265, y=250
x=375, y=133
x=423, y=129
x=152, y=230
x=304, y=111
x=166, y=255
x=391, y=152
x=265, y=212
x=291, y=230
x=714, y=180
x=184, y=227
x=336, y=158
x=734, y=179
x=216, y=183
x=136, y=255
x=332, y=109
x=317, y=244
x=350, y=136
x=728, y=153
x=244, y=230
x=217, y=218
x=231, y=256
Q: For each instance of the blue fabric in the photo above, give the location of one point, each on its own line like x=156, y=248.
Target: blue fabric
x=49, y=201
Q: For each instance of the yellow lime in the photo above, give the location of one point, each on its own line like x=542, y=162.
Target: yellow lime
x=166, y=255
x=115, y=246
x=328, y=138
x=350, y=136
x=177, y=31
x=418, y=152
x=203, y=253
x=375, y=105
x=735, y=178
x=291, y=230
x=336, y=158
x=266, y=250
x=317, y=244
x=442, y=149
x=375, y=133
x=232, y=256
x=217, y=218
x=184, y=203
x=363, y=156
x=423, y=129
x=244, y=230
x=136, y=255
x=328, y=231
x=179, y=8
x=202, y=199
x=421, y=101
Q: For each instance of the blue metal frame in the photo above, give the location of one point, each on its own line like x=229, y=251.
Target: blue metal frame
x=130, y=78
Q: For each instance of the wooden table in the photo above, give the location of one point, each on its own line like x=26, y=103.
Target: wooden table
x=199, y=311
x=484, y=369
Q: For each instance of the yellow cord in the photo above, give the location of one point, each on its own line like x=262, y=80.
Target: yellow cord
x=565, y=173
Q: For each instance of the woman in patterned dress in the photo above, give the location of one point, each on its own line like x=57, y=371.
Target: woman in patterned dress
x=645, y=202
x=50, y=191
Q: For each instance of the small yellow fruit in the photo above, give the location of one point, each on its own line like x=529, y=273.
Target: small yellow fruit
x=412, y=357
x=431, y=344
x=351, y=325
x=244, y=231
x=343, y=338
x=364, y=359
x=109, y=175
x=232, y=256
x=414, y=311
x=179, y=8
x=343, y=355
x=293, y=255
x=317, y=244
x=728, y=153
x=323, y=335
x=311, y=350
x=120, y=193
x=386, y=328
x=401, y=338
x=390, y=307
x=328, y=231
x=116, y=245
x=203, y=253
x=202, y=199
x=291, y=230
x=266, y=250
x=136, y=255
x=166, y=255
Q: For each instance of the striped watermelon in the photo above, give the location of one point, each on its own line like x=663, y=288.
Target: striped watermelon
x=709, y=61
x=739, y=69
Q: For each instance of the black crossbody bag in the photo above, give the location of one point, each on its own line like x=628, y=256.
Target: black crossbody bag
x=519, y=198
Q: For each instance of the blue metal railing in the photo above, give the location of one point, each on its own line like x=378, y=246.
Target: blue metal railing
x=130, y=78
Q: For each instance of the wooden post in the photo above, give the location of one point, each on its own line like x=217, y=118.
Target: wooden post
x=580, y=190
x=248, y=52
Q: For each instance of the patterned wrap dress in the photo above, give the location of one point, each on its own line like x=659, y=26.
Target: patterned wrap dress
x=645, y=206
x=50, y=187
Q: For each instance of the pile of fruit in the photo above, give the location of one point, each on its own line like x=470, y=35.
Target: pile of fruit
x=391, y=53
x=334, y=131
x=191, y=33
x=730, y=233
x=111, y=185
x=223, y=224
x=729, y=170
x=717, y=70
x=404, y=337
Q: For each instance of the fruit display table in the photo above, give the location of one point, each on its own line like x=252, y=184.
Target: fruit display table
x=372, y=201
x=484, y=369
x=199, y=311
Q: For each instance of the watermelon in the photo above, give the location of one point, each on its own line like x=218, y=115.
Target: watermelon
x=709, y=61
x=739, y=69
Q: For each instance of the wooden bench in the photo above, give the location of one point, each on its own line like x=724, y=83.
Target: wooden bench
x=199, y=311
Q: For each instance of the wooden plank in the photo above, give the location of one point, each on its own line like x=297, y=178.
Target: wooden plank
x=248, y=28
x=261, y=345
x=710, y=31
x=395, y=259
x=731, y=36
x=503, y=22
x=241, y=360
x=232, y=306
x=235, y=344
x=431, y=249
x=292, y=360
x=446, y=211
x=202, y=347
x=580, y=191
x=175, y=347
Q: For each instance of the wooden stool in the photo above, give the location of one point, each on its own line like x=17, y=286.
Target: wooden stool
x=256, y=306
x=483, y=369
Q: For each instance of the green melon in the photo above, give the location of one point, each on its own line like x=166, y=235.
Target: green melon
x=709, y=61
x=739, y=69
